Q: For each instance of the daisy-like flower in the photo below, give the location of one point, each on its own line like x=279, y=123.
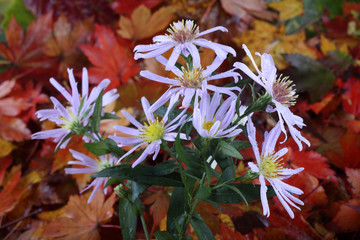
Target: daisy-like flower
x=270, y=168
x=150, y=133
x=188, y=81
x=213, y=121
x=183, y=37
x=93, y=166
x=73, y=118
x=282, y=93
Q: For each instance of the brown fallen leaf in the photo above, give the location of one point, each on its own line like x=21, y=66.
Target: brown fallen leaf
x=246, y=10
x=143, y=24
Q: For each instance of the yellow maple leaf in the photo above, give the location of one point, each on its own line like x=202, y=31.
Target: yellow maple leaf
x=265, y=37
x=326, y=45
x=5, y=147
x=143, y=24
x=288, y=8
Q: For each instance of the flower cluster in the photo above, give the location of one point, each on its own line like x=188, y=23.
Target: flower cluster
x=215, y=112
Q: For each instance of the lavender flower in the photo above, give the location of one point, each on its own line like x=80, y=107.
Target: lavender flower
x=213, y=121
x=94, y=166
x=183, y=36
x=73, y=118
x=282, y=93
x=189, y=80
x=150, y=133
x=270, y=168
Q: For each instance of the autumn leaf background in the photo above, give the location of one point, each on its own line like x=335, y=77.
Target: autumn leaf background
x=314, y=42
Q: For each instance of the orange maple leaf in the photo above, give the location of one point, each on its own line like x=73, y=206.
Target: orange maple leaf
x=159, y=207
x=63, y=44
x=11, y=190
x=111, y=59
x=80, y=220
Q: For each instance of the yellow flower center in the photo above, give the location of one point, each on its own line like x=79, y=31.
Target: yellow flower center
x=103, y=165
x=191, y=78
x=270, y=168
x=184, y=31
x=72, y=124
x=283, y=91
x=154, y=131
x=208, y=124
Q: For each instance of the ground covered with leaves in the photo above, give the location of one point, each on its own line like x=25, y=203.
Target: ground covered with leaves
x=314, y=42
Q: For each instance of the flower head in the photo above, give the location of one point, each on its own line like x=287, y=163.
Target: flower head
x=212, y=119
x=270, y=168
x=73, y=118
x=93, y=166
x=149, y=134
x=183, y=36
x=189, y=80
x=282, y=92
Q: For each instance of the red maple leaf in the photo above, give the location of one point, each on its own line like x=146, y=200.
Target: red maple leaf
x=127, y=7
x=23, y=52
x=110, y=59
x=350, y=151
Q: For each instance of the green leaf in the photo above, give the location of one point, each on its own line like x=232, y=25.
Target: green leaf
x=227, y=175
x=137, y=189
x=98, y=148
x=239, y=145
x=96, y=117
x=176, y=209
x=113, y=148
x=144, y=174
x=163, y=235
x=202, y=231
x=112, y=181
x=128, y=220
x=110, y=116
x=249, y=191
x=17, y=9
x=229, y=150
x=184, y=156
x=237, y=191
x=204, y=192
x=312, y=76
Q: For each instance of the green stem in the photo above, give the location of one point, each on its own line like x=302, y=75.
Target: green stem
x=144, y=226
x=192, y=209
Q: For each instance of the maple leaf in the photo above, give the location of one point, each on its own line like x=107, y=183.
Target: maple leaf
x=159, y=205
x=313, y=162
x=227, y=233
x=11, y=106
x=348, y=216
x=13, y=129
x=351, y=99
x=127, y=7
x=63, y=44
x=5, y=147
x=288, y=8
x=74, y=10
x=24, y=51
x=246, y=10
x=272, y=39
x=353, y=178
x=110, y=59
x=80, y=220
x=350, y=148
x=11, y=191
x=143, y=24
